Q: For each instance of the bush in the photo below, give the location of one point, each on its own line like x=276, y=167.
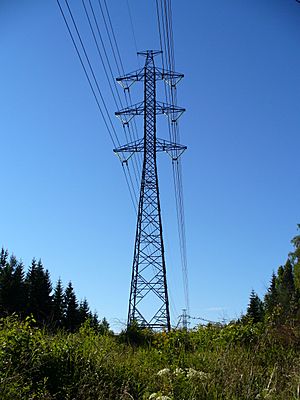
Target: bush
x=237, y=361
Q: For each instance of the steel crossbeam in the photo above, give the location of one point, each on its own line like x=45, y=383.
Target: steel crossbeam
x=149, y=279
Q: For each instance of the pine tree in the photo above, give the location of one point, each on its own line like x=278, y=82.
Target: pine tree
x=295, y=260
x=58, y=305
x=94, y=320
x=103, y=327
x=271, y=297
x=71, y=320
x=255, y=310
x=12, y=286
x=33, y=295
x=3, y=273
x=3, y=258
x=6, y=285
x=39, y=290
x=286, y=290
x=84, y=311
x=19, y=298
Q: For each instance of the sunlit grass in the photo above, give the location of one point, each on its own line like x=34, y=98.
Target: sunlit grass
x=233, y=362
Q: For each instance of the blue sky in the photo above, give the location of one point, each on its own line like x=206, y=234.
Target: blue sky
x=64, y=198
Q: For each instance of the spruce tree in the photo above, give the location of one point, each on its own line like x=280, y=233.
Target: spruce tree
x=255, y=310
x=94, y=320
x=6, y=286
x=12, y=286
x=286, y=291
x=71, y=320
x=58, y=305
x=103, y=327
x=84, y=311
x=3, y=258
x=39, y=292
x=30, y=288
x=271, y=297
x=3, y=273
x=295, y=260
x=19, y=289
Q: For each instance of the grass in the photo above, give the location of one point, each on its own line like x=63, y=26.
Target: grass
x=235, y=362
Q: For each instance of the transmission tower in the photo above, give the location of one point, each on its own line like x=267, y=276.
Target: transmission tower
x=148, y=302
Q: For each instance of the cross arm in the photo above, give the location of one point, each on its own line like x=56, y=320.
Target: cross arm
x=174, y=150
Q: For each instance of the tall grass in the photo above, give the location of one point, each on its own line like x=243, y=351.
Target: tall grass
x=233, y=362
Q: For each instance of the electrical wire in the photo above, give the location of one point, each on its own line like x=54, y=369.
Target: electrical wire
x=166, y=39
x=115, y=89
x=83, y=58
x=133, y=32
x=114, y=37
x=164, y=15
x=117, y=57
x=100, y=55
x=93, y=73
x=119, y=66
x=86, y=74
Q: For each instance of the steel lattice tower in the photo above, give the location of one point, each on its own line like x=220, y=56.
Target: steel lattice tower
x=149, y=280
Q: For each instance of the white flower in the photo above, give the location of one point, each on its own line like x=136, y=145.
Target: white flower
x=179, y=371
x=163, y=372
x=192, y=373
x=157, y=396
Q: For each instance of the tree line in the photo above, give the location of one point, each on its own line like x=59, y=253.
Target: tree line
x=32, y=293
x=281, y=303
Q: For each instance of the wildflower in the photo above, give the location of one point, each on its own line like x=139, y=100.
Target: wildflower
x=157, y=396
x=192, y=373
x=163, y=372
x=179, y=371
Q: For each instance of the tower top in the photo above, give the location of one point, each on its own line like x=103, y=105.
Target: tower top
x=148, y=53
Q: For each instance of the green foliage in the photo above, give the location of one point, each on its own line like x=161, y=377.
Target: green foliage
x=58, y=305
x=271, y=297
x=12, y=287
x=255, y=310
x=256, y=357
x=136, y=335
x=32, y=295
x=238, y=361
x=39, y=288
x=281, y=306
x=72, y=317
x=84, y=311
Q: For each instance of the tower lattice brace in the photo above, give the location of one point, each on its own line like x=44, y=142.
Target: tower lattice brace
x=149, y=301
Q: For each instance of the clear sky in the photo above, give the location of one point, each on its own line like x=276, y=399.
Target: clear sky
x=63, y=194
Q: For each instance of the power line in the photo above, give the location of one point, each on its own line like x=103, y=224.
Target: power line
x=111, y=130
x=99, y=52
x=105, y=69
x=109, y=38
x=133, y=32
x=92, y=71
x=85, y=71
x=164, y=15
x=166, y=39
x=114, y=37
x=137, y=164
x=117, y=57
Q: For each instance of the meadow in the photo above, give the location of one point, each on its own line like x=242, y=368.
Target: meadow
x=242, y=360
